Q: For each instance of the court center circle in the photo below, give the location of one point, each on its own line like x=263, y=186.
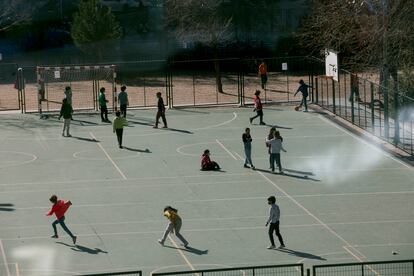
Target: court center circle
x=15, y=158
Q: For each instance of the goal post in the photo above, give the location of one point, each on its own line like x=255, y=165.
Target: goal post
x=84, y=81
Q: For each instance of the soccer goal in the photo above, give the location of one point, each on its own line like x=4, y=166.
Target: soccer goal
x=84, y=81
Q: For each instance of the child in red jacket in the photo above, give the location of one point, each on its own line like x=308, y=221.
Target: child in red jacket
x=207, y=164
x=59, y=208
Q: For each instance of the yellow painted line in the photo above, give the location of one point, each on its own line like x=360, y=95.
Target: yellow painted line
x=109, y=157
x=182, y=254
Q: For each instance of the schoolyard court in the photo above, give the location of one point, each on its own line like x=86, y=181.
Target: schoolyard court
x=341, y=199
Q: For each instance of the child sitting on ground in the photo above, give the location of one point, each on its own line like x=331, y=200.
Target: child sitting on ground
x=207, y=164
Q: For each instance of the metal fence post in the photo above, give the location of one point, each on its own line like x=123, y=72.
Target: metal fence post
x=372, y=108
x=308, y=272
x=317, y=89
x=396, y=116
x=333, y=97
x=386, y=114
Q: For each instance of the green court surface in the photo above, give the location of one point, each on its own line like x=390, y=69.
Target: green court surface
x=341, y=199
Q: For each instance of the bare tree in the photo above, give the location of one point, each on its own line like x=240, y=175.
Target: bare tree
x=15, y=12
x=200, y=21
x=365, y=32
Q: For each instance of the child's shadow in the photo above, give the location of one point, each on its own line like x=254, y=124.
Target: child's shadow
x=190, y=249
x=80, y=248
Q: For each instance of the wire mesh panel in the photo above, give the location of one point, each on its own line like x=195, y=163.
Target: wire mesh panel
x=283, y=270
x=391, y=268
x=84, y=81
x=126, y=273
x=9, y=93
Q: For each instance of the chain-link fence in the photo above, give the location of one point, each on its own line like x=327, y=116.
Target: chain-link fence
x=282, y=270
x=382, y=111
x=387, y=268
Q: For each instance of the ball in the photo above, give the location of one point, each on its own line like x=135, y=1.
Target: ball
x=296, y=108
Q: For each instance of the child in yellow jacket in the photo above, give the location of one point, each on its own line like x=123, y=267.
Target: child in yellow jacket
x=118, y=127
x=173, y=226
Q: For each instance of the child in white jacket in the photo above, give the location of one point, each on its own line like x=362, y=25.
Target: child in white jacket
x=275, y=147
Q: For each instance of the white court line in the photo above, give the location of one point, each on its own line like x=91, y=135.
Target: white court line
x=221, y=124
x=109, y=157
x=3, y=255
x=129, y=179
x=229, y=152
x=225, y=219
x=182, y=254
x=294, y=226
x=238, y=155
x=366, y=142
x=221, y=199
x=310, y=213
x=138, y=186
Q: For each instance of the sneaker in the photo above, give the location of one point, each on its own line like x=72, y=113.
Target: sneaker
x=165, y=127
x=74, y=239
x=155, y=127
x=245, y=166
x=305, y=110
x=54, y=237
x=68, y=135
x=253, y=168
x=262, y=123
x=121, y=147
x=282, y=246
x=161, y=242
x=271, y=247
x=63, y=135
x=281, y=171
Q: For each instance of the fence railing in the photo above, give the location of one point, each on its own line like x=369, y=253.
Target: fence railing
x=125, y=273
x=182, y=83
x=389, y=268
x=378, y=268
x=283, y=270
x=381, y=111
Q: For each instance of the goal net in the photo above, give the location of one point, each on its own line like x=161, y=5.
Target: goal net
x=84, y=81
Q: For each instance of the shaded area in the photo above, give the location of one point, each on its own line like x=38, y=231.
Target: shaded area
x=281, y=127
x=177, y=130
x=301, y=254
x=304, y=177
x=141, y=123
x=6, y=207
x=137, y=150
x=189, y=249
x=85, y=139
x=81, y=248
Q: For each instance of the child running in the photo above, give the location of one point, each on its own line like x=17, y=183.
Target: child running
x=59, y=208
x=118, y=127
x=174, y=225
x=207, y=164
x=247, y=142
x=303, y=88
x=275, y=147
x=258, y=107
